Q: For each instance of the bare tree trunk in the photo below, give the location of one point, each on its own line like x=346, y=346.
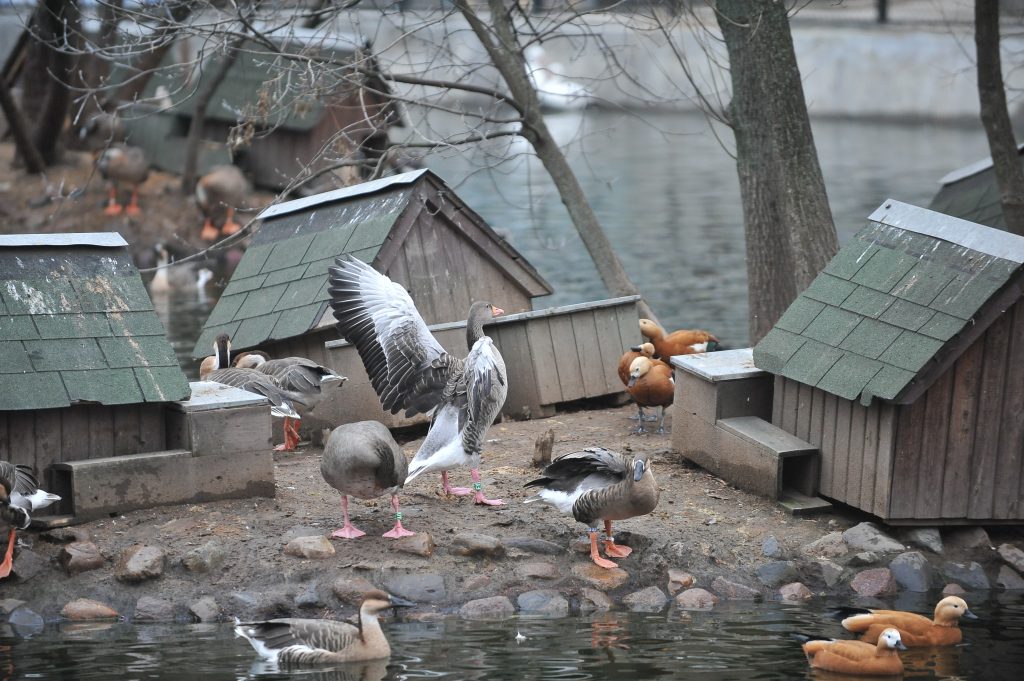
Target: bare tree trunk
x=995, y=115
x=195, y=128
x=499, y=40
x=52, y=67
x=145, y=66
x=19, y=128
x=789, y=229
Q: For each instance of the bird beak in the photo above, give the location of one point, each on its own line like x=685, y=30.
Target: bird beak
x=711, y=346
x=970, y=615
x=496, y=311
x=632, y=381
x=636, y=348
x=638, y=470
x=397, y=602
x=900, y=645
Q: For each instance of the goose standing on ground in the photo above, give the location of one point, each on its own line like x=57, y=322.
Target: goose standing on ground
x=855, y=657
x=20, y=496
x=123, y=164
x=410, y=370
x=915, y=630
x=219, y=370
x=297, y=375
x=651, y=385
x=682, y=342
x=301, y=642
x=642, y=350
x=220, y=192
x=599, y=484
x=362, y=459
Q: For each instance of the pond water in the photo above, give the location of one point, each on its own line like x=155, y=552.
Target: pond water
x=735, y=641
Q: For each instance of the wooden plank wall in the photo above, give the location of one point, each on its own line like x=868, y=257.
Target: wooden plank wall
x=42, y=437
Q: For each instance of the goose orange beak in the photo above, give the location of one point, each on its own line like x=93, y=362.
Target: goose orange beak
x=496, y=311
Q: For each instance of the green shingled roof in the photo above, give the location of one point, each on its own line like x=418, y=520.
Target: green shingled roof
x=890, y=300
x=77, y=325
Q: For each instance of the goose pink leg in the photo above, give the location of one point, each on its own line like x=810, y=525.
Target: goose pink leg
x=347, y=531
x=8, y=562
x=448, y=489
x=397, y=531
x=479, y=498
x=610, y=547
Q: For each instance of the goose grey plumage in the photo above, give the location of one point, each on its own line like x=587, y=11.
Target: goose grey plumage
x=20, y=496
x=363, y=460
x=410, y=370
x=599, y=484
x=301, y=642
x=218, y=369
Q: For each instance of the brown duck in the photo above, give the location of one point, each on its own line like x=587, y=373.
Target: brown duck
x=651, y=385
x=218, y=194
x=915, y=630
x=856, y=657
x=120, y=165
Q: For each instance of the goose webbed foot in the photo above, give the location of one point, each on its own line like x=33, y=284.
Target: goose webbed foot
x=397, y=531
x=596, y=557
x=453, y=491
x=209, y=232
x=8, y=562
x=639, y=430
x=479, y=497
x=348, y=532
x=133, y=205
x=113, y=208
x=610, y=547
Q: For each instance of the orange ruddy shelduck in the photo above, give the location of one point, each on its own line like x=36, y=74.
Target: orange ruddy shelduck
x=682, y=342
x=856, y=657
x=916, y=630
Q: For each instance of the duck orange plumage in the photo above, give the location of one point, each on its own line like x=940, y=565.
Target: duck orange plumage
x=642, y=350
x=682, y=342
x=916, y=630
x=856, y=657
x=651, y=385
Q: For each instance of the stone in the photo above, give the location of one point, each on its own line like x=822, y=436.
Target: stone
x=580, y=545
x=679, y=580
x=734, y=591
x=651, y=599
x=953, y=590
x=1012, y=555
x=795, y=592
x=66, y=535
x=420, y=544
x=205, y=609
x=152, y=609
x=696, y=599
x=82, y=609
x=418, y=587
x=139, y=563
x=770, y=547
x=868, y=537
x=538, y=570
x=829, y=546
x=969, y=576
x=1009, y=579
x=875, y=582
x=318, y=547
x=26, y=622
x=28, y=564
x=599, y=577
x=777, y=573
x=967, y=538
x=475, y=582
x=310, y=597
x=927, y=538
x=831, y=573
x=543, y=602
x=592, y=600
x=206, y=557
x=863, y=559
x=351, y=590
x=493, y=608
x=912, y=571
x=476, y=544
x=533, y=545
x=9, y=605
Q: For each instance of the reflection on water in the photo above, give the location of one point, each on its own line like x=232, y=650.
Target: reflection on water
x=735, y=641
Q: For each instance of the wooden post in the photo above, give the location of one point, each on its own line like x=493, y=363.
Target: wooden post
x=542, y=448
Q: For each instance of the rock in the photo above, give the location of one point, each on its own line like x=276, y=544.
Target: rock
x=493, y=608
x=538, y=570
x=651, y=599
x=317, y=547
x=580, y=545
x=770, y=547
x=777, y=573
x=475, y=582
x=795, y=592
x=310, y=597
x=1012, y=555
x=829, y=546
x=205, y=609
x=912, y=571
x=419, y=587
x=734, y=591
x=533, y=545
x=419, y=544
x=679, y=580
x=152, y=609
x=863, y=558
x=876, y=582
x=351, y=589
x=599, y=577
x=82, y=609
x=927, y=538
x=953, y=590
x=969, y=576
x=26, y=622
x=1009, y=579
x=476, y=544
x=66, y=535
x=9, y=605
x=830, y=573
x=28, y=564
x=696, y=599
x=139, y=563
x=543, y=602
x=206, y=557
x=967, y=538
x=868, y=537
x=594, y=600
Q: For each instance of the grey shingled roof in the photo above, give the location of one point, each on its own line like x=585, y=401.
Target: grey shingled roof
x=77, y=325
x=892, y=297
x=971, y=193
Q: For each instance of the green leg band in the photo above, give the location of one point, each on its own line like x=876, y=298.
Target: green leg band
x=477, y=486
x=398, y=515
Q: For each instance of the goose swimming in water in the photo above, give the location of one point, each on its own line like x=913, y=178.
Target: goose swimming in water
x=410, y=370
x=20, y=496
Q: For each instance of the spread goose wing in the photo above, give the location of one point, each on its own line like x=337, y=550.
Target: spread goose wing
x=407, y=367
x=17, y=478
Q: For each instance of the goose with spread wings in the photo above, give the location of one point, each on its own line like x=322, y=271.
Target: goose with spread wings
x=410, y=370
x=20, y=496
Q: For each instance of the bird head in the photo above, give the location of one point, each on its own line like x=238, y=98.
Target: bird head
x=890, y=638
x=377, y=601
x=640, y=465
x=637, y=368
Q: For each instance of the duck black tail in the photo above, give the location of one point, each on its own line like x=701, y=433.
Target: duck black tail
x=804, y=638
x=844, y=611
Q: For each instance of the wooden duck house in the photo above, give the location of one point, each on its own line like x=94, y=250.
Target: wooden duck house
x=903, y=364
